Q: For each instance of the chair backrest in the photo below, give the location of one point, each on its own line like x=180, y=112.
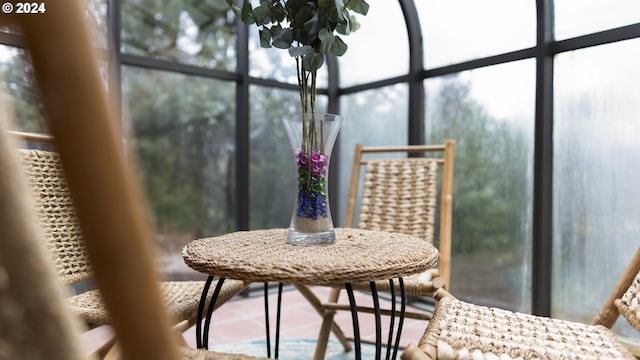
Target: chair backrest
x=57, y=214
x=401, y=194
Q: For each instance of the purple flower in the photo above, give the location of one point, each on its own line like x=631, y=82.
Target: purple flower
x=301, y=158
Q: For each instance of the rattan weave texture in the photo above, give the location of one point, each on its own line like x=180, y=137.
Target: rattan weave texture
x=55, y=208
x=356, y=255
x=65, y=243
x=179, y=297
x=399, y=195
x=629, y=304
x=461, y=330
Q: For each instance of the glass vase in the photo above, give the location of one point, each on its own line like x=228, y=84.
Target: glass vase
x=312, y=137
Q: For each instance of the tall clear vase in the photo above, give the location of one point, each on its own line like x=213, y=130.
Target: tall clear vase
x=312, y=137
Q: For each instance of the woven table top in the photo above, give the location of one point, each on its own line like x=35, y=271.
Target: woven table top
x=356, y=255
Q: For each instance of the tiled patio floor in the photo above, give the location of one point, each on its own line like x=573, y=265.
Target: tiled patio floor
x=242, y=319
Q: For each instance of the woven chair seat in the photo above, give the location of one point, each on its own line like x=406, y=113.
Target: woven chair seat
x=180, y=299
x=461, y=330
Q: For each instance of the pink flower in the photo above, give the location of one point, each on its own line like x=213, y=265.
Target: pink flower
x=319, y=163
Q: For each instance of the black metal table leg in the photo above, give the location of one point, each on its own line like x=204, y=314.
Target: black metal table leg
x=202, y=335
x=392, y=317
x=376, y=311
x=403, y=306
x=201, y=305
x=266, y=321
x=266, y=318
x=207, y=321
x=354, y=319
x=277, y=346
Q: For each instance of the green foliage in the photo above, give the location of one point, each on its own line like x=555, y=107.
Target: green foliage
x=183, y=136
x=19, y=90
x=307, y=28
x=188, y=31
x=290, y=23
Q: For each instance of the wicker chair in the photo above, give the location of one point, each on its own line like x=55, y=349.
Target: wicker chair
x=398, y=195
x=65, y=244
x=461, y=330
x=35, y=319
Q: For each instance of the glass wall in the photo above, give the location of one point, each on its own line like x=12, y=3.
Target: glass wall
x=489, y=112
x=461, y=30
x=183, y=133
x=596, y=171
x=578, y=17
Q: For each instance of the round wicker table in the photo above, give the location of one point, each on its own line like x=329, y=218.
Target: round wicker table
x=265, y=256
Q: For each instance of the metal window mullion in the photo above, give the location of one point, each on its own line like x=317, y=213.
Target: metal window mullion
x=416, y=118
x=114, y=23
x=543, y=164
x=333, y=107
x=242, y=205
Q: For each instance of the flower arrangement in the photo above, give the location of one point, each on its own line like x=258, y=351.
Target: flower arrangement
x=309, y=30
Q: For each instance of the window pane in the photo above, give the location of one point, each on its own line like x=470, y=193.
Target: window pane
x=272, y=171
x=596, y=171
x=20, y=91
x=184, y=137
x=376, y=51
x=489, y=112
x=96, y=12
x=187, y=31
x=375, y=118
x=579, y=17
x=460, y=30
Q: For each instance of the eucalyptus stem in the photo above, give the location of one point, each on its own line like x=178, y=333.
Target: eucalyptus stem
x=308, y=135
x=302, y=88
x=322, y=136
x=313, y=110
x=313, y=90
